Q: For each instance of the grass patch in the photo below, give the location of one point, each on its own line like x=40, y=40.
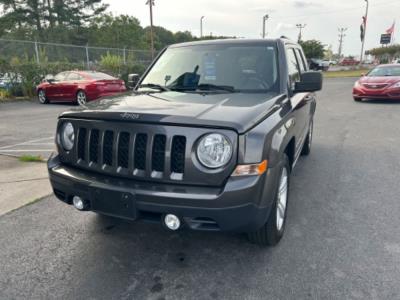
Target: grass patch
x=347, y=73
x=30, y=158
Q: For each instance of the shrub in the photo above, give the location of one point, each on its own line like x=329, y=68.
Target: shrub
x=111, y=64
x=25, y=74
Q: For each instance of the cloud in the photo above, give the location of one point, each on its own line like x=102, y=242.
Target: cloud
x=262, y=9
x=284, y=26
x=305, y=4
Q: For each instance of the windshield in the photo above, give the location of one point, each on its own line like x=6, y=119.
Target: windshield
x=229, y=68
x=385, y=71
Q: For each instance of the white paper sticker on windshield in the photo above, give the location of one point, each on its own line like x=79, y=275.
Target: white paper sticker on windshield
x=209, y=66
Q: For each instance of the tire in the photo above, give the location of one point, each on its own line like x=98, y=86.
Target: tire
x=81, y=97
x=272, y=231
x=357, y=99
x=42, y=97
x=307, y=143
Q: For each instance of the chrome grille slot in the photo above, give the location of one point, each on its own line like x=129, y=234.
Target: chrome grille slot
x=123, y=150
x=140, y=151
x=94, y=146
x=81, y=143
x=178, y=154
x=108, y=148
x=158, y=155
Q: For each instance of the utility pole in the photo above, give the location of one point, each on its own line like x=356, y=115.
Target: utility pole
x=150, y=3
x=341, y=37
x=300, y=27
x=265, y=19
x=365, y=20
x=201, y=26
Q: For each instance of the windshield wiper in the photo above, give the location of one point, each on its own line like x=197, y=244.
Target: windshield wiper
x=154, y=86
x=214, y=87
x=205, y=87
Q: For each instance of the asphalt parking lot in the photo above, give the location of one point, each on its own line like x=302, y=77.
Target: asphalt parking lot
x=28, y=127
x=342, y=239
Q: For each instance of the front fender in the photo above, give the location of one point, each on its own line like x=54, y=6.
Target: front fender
x=268, y=140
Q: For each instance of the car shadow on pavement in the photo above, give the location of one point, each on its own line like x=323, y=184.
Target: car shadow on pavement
x=156, y=262
x=381, y=102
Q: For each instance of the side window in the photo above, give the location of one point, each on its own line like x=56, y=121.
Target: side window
x=302, y=62
x=61, y=76
x=293, y=67
x=73, y=76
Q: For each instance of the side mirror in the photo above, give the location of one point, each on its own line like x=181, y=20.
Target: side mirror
x=362, y=74
x=133, y=79
x=310, y=81
x=49, y=78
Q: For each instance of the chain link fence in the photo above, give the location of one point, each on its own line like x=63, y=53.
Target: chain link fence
x=87, y=56
x=24, y=64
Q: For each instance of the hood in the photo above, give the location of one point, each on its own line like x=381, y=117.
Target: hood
x=380, y=79
x=234, y=111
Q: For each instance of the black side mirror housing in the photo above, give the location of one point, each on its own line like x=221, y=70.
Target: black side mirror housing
x=133, y=79
x=310, y=81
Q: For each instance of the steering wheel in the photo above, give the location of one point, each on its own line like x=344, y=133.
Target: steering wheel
x=254, y=82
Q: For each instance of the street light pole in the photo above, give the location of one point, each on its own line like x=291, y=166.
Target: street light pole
x=151, y=4
x=201, y=26
x=265, y=18
x=300, y=26
x=341, y=37
x=365, y=32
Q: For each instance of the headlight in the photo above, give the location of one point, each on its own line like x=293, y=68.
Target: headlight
x=67, y=136
x=396, y=85
x=214, y=150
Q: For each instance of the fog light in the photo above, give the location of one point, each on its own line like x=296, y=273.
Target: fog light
x=172, y=222
x=78, y=203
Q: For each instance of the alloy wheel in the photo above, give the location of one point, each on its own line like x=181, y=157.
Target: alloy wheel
x=282, y=200
x=42, y=96
x=81, y=98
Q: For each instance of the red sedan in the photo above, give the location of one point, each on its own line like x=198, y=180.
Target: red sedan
x=78, y=87
x=383, y=82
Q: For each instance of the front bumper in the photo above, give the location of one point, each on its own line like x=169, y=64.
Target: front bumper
x=393, y=94
x=241, y=205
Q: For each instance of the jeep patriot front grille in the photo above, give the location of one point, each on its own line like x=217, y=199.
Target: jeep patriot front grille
x=131, y=153
x=154, y=152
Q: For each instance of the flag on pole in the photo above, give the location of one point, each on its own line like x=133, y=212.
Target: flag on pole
x=391, y=29
x=362, y=28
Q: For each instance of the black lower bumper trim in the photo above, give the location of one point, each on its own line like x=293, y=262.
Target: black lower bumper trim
x=226, y=210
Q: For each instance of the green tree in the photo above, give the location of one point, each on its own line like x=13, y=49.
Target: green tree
x=183, y=36
x=312, y=48
x=119, y=31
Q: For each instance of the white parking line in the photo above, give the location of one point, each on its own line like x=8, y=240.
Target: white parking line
x=28, y=150
x=38, y=144
x=26, y=143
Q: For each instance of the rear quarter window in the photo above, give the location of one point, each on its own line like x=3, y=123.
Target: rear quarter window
x=100, y=76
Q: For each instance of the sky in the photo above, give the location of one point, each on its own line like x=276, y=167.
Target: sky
x=243, y=18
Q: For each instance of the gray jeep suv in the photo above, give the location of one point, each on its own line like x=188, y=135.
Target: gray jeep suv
x=207, y=140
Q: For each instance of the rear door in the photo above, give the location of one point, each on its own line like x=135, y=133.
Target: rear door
x=71, y=85
x=299, y=101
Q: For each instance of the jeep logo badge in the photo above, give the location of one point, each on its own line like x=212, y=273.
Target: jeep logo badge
x=130, y=116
